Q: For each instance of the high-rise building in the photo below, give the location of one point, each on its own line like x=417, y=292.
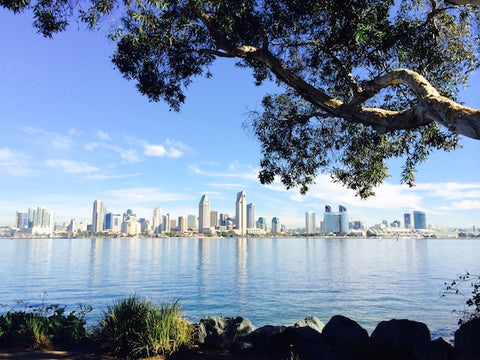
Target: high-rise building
x=250, y=215
x=241, y=213
x=21, y=219
x=262, y=223
x=310, y=223
x=98, y=216
x=336, y=223
x=192, y=222
x=203, y=214
x=157, y=220
x=276, y=226
x=40, y=221
x=166, y=223
x=214, y=219
x=182, y=226
x=419, y=220
x=407, y=220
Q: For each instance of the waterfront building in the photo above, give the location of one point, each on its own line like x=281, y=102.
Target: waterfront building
x=72, y=228
x=419, y=220
x=262, y=223
x=203, y=214
x=128, y=213
x=166, y=223
x=310, y=223
x=336, y=223
x=182, y=226
x=144, y=225
x=113, y=222
x=98, y=216
x=407, y=220
x=131, y=226
x=250, y=215
x=241, y=213
x=214, y=219
x=157, y=220
x=192, y=222
x=21, y=219
x=276, y=226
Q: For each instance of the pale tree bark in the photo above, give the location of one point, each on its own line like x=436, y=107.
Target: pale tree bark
x=429, y=107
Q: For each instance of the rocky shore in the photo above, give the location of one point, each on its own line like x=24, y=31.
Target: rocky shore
x=339, y=339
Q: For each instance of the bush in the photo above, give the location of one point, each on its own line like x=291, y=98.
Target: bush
x=135, y=328
x=472, y=302
x=42, y=327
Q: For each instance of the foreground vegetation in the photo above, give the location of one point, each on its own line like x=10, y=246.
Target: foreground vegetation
x=130, y=328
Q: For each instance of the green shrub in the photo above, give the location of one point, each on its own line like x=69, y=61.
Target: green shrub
x=136, y=328
x=42, y=327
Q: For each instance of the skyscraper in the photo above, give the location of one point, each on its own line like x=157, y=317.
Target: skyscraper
x=98, y=216
x=407, y=220
x=157, y=220
x=310, y=223
x=203, y=214
x=213, y=218
x=241, y=213
x=419, y=220
x=250, y=216
x=276, y=226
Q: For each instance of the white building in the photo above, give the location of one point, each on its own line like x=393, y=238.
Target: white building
x=157, y=220
x=203, y=214
x=310, y=223
x=241, y=213
x=98, y=216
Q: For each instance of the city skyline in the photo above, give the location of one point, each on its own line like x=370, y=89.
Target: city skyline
x=75, y=130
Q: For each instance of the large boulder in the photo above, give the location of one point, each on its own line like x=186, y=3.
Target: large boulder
x=467, y=341
x=222, y=332
x=267, y=337
x=312, y=322
x=347, y=336
x=437, y=349
x=395, y=339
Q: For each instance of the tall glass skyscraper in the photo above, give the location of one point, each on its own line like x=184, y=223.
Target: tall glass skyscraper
x=204, y=214
x=250, y=215
x=98, y=216
x=419, y=220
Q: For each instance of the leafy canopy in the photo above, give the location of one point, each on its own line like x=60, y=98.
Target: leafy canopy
x=360, y=81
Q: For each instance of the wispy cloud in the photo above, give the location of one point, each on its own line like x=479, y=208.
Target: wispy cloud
x=72, y=166
x=102, y=135
x=127, y=155
x=147, y=194
x=234, y=170
x=49, y=138
x=13, y=163
x=171, y=149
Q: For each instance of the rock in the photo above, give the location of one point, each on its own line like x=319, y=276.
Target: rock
x=268, y=336
x=312, y=322
x=347, y=336
x=395, y=339
x=221, y=332
x=437, y=349
x=467, y=341
x=300, y=335
x=316, y=351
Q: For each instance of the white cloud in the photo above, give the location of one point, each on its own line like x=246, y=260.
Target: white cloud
x=72, y=166
x=234, y=170
x=467, y=205
x=147, y=194
x=127, y=155
x=102, y=135
x=171, y=149
x=49, y=138
x=13, y=163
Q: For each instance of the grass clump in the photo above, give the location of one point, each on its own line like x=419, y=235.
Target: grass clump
x=42, y=327
x=135, y=328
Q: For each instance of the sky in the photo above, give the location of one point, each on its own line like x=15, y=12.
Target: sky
x=74, y=131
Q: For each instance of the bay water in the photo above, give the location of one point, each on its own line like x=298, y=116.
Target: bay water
x=276, y=281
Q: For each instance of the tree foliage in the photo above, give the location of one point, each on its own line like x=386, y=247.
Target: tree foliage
x=360, y=81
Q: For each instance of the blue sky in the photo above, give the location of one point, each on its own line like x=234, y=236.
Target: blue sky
x=73, y=131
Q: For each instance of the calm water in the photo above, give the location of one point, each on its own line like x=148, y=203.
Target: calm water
x=269, y=281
